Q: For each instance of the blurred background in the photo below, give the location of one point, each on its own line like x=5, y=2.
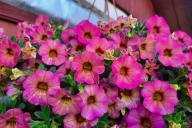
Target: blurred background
x=178, y=13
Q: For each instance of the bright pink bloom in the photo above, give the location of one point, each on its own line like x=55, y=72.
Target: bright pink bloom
x=86, y=68
x=11, y=90
x=63, y=102
x=53, y=52
x=86, y=31
x=42, y=20
x=130, y=98
x=21, y=30
x=77, y=121
x=157, y=26
x=63, y=70
x=159, y=97
x=38, y=85
x=128, y=73
x=142, y=118
x=68, y=35
x=75, y=47
x=9, y=53
x=183, y=38
x=146, y=48
x=15, y=118
x=170, y=53
x=40, y=34
x=98, y=46
x=188, y=62
x=94, y=102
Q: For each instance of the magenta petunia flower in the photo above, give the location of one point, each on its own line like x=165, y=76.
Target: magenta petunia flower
x=15, y=118
x=94, y=102
x=53, y=52
x=86, y=31
x=130, y=98
x=75, y=47
x=183, y=38
x=40, y=34
x=68, y=35
x=128, y=73
x=42, y=20
x=9, y=53
x=170, y=53
x=77, y=121
x=142, y=118
x=157, y=26
x=63, y=70
x=159, y=97
x=98, y=46
x=86, y=68
x=63, y=102
x=21, y=30
x=38, y=85
x=146, y=48
x=11, y=90
x=188, y=62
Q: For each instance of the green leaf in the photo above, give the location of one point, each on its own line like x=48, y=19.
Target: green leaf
x=44, y=114
x=38, y=124
x=52, y=69
x=21, y=43
x=13, y=39
x=42, y=67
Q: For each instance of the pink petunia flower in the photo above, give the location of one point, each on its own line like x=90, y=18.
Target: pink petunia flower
x=183, y=38
x=157, y=26
x=42, y=20
x=159, y=97
x=98, y=46
x=63, y=102
x=142, y=118
x=86, y=68
x=86, y=31
x=53, y=52
x=63, y=70
x=128, y=73
x=68, y=35
x=75, y=47
x=188, y=62
x=11, y=90
x=9, y=53
x=170, y=53
x=130, y=98
x=77, y=121
x=94, y=102
x=15, y=118
x=2, y=33
x=146, y=47
x=38, y=85
x=21, y=30
x=40, y=34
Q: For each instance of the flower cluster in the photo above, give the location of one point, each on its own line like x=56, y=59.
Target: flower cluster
x=121, y=74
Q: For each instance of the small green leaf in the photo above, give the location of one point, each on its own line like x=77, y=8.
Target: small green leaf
x=52, y=69
x=42, y=67
x=21, y=43
x=44, y=114
x=13, y=39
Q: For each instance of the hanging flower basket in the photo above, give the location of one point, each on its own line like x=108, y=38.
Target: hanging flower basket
x=121, y=74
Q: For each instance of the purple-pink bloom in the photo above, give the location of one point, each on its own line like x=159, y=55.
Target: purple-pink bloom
x=183, y=38
x=86, y=31
x=53, y=52
x=77, y=121
x=63, y=102
x=157, y=26
x=9, y=53
x=142, y=118
x=128, y=73
x=63, y=70
x=86, y=68
x=170, y=52
x=94, y=102
x=38, y=85
x=68, y=35
x=130, y=98
x=146, y=47
x=159, y=97
x=15, y=118
x=98, y=46
x=42, y=20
